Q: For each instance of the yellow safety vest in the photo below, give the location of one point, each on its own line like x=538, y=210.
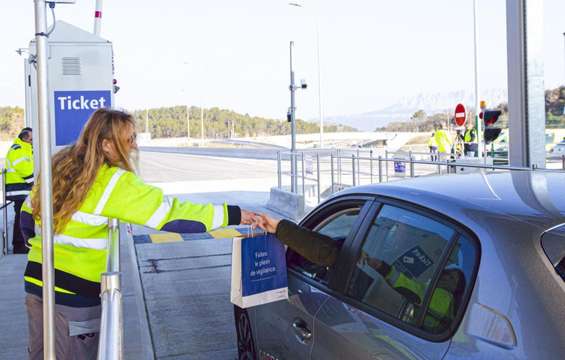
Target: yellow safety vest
x=80, y=250
x=19, y=170
x=470, y=135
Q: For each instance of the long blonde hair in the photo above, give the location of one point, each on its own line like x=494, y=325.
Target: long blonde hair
x=75, y=167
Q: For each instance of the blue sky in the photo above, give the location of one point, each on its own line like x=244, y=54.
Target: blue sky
x=234, y=54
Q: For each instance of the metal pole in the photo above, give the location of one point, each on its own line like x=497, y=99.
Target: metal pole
x=371, y=165
x=476, y=62
x=113, y=246
x=338, y=166
x=293, y=167
x=318, y=174
x=358, y=168
x=526, y=98
x=45, y=180
x=380, y=169
x=4, y=215
x=332, y=171
x=302, y=161
x=353, y=169
x=98, y=18
x=386, y=164
x=411, y=166
x=279, y=170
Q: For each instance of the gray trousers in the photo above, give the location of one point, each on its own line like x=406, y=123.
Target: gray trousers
x=76, y=330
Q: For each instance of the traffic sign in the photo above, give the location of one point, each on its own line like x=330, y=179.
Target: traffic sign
x=460, y=115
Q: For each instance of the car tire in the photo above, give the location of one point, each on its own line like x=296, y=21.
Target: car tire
x=245, y=342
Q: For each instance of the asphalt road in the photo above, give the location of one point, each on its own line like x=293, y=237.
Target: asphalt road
x=176, y=166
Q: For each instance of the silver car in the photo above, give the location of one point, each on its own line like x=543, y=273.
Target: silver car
x=451, y=267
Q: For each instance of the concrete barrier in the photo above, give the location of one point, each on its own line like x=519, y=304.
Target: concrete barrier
x=286, y=203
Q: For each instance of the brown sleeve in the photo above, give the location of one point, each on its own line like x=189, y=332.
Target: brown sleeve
x=313, y=246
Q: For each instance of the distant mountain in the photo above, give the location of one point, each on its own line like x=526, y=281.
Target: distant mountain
x=431, y=103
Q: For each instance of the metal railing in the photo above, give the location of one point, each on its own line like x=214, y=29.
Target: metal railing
x=4, y=208
x=110, y=346
x=321, y=173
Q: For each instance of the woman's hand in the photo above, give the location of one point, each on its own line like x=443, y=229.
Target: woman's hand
x=267, y=223
x=248, y=217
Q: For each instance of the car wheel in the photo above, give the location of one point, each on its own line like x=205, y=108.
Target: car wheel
x=245, y=343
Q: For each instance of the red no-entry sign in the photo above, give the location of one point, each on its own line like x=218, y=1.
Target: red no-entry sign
x=460, y=115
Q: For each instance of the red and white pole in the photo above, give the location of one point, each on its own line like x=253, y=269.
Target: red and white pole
x=98, y=17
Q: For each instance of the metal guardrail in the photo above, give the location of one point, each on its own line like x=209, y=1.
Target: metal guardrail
x=4, y=208
x=111, y=344
x=335, y=169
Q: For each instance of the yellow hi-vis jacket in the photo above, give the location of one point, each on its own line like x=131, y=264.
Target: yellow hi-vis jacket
x=19, y=170
x=441, y=305
x=80, y=250
x=443, y=142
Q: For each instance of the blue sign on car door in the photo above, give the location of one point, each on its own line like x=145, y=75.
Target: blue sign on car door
x=72, y=110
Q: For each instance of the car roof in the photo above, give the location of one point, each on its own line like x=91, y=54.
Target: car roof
x=535, y=197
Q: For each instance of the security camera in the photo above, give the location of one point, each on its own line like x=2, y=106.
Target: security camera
x=303, y=84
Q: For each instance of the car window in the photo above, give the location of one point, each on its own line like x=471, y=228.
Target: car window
x=397, y=263
x=453, y=283
x=336, y=225
x=553, y=244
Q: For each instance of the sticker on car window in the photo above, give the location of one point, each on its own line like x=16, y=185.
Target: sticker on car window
x=413, y=262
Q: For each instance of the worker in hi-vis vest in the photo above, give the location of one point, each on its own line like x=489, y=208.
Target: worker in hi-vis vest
x=432, y=145
x=93, y=181
x=19, y=180
x=443, y=141
x=470, y=141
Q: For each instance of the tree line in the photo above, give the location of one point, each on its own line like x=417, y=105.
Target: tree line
x=172, y=122
x=218, y=123
x=420, y=121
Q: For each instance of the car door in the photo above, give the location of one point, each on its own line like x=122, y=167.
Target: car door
x=284, y=329
x=407, y=283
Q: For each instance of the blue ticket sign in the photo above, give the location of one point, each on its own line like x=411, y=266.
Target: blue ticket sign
x=263, y=265
x=72, y=110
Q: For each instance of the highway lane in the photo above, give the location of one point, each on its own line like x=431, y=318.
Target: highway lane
x=168, y=167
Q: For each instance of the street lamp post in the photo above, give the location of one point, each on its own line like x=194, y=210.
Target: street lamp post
x=292, y=118
x=320, y=106
x=293, y=174
x=477, y=101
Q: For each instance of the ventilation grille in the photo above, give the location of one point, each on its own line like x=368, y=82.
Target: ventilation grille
x=71, y=66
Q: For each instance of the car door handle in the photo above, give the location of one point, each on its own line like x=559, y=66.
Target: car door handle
x=301, y=330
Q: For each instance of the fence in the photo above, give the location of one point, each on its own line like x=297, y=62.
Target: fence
x=324, y=172
x=4, y=208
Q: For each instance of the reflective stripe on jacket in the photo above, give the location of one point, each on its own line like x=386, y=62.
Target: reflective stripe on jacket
x=80, y=249
x=19, y=170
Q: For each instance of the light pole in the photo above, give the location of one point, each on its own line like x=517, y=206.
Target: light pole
x=477, y=101
x=292, y=118
x=320, y=107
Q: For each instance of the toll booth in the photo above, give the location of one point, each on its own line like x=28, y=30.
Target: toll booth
x=79, y=80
